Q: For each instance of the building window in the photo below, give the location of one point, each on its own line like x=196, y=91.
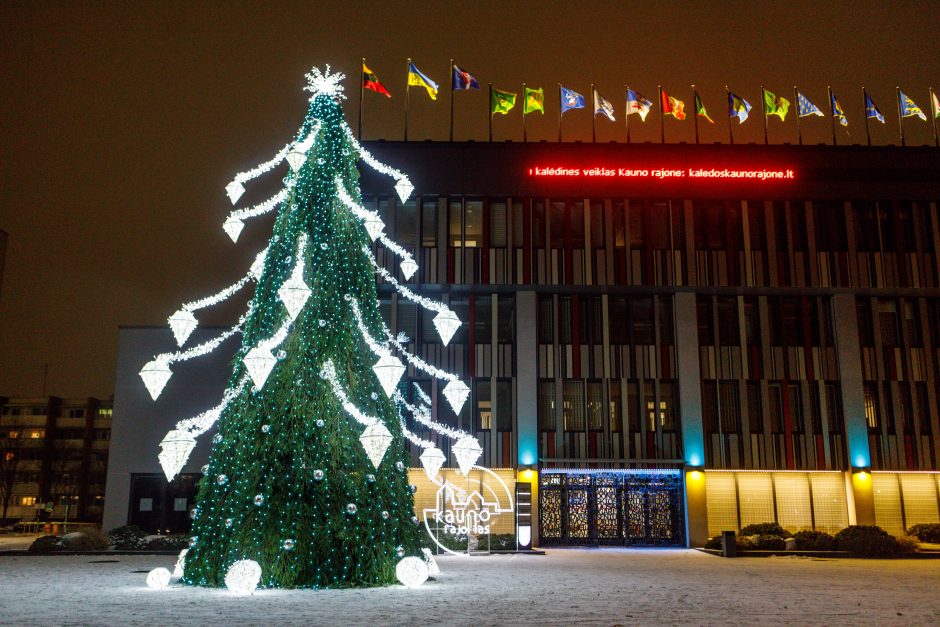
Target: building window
x=755, y=416
x=545, y=321
x=505, y=318
x=428, y=223
x=641, y=318
x=573, y=406
x=706, y=323
x=546, y=405
x=729, y=407
x=38, y=434
x=484, y=405
x=504, y=413
x=27, y=500
x=13, y=435
x=76, y=413
x=872, y=413
x=668, y=407
x=595, y=406
x=729, y=330
x=616, y=411
x=498, y=225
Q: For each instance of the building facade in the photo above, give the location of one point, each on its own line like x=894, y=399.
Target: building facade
x=53, y=458
x=672, y=340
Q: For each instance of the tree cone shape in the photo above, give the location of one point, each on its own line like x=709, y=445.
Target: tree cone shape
x=283, y=499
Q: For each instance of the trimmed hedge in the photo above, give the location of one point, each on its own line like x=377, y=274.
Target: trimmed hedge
x=127, y=538
x=46, y=544
x=867, y=541
x=814, y=541
x=765, y=529
x=926, y=532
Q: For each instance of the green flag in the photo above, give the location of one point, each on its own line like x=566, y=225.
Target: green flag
x=501, y=101
x=774, y=105
x=534, y=101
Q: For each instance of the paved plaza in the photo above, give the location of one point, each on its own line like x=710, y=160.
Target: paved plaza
x=562, y=587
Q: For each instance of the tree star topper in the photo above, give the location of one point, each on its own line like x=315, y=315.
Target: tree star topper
x=325, y=83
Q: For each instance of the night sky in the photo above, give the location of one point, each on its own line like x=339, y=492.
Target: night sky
x=121, y=123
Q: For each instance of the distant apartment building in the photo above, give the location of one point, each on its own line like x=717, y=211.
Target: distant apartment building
x=53, y=458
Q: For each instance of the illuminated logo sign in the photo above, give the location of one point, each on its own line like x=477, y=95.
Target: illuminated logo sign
x=468, y=511
x=660, y=173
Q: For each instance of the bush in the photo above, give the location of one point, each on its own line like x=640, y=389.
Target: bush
x=746, y=543
x=46, y=544
x=927, y=532
x=127, y=538
x=814, y=541
x=174, y=542
x=767, y=542
x=907, y=544
x=86, y=540
x=765, y=529
x=867, y=541
x=713, y=543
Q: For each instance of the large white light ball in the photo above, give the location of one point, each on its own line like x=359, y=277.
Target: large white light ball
x=243, y=577
x=158, y=579
x=411, y=571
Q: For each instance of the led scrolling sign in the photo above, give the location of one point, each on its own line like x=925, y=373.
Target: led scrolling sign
x=660, y=173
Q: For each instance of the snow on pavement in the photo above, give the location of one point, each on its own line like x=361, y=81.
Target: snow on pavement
x=563, y=587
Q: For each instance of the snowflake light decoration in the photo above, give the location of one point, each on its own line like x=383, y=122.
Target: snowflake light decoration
x=325, y=83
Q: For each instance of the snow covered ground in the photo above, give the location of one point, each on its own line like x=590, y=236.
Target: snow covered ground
x=563, y=587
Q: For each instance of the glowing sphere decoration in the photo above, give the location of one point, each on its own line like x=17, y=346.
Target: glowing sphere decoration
x=411, y=571
x=243, y=577
x=158, y=579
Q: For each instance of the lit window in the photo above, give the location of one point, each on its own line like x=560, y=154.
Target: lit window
x=13, y=435
x=37, y=435
x=28, y=500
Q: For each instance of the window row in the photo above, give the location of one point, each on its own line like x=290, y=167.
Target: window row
x=578, y=405
x=580, y=320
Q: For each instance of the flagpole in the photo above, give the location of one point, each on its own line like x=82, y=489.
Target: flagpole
x=407, y=74
x=936, y=112
x=525, y=137
x=799, y=130
x=867, y=131
x=695, y=115
x=451, y=100
x=662, y=124
x=559, y=113
x=491, y=111
x=730, y=109
x=900, y=119
x=832, y=111
x=594, y=117
x=763, y=97
x=361, y=94
x=626, y=117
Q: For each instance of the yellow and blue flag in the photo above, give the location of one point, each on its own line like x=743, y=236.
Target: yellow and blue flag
x=871, y=110
x=570, y=99
x=805, y=107
x=419, y=79
x=738, y=107
x=910, y=109
x=837, y=111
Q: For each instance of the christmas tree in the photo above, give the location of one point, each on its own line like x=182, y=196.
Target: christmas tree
x=307, y=482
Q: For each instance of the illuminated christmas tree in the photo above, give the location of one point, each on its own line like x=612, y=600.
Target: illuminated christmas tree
x=307, y=482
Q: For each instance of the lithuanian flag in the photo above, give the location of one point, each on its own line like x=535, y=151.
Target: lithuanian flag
x=371, y=81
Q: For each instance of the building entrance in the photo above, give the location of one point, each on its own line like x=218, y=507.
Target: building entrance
x=611, y=507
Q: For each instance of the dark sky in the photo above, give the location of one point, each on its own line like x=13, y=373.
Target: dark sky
x=121, y=123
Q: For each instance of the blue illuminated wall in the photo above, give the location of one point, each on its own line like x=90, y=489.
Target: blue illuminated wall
x=690, y=390
x=850, y=373
x=527, y=380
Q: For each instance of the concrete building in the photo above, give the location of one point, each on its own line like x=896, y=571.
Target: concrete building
x=665, y=340
x=53, y=458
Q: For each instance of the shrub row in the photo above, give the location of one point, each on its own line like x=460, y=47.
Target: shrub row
x=864, y=540
x=126, y=538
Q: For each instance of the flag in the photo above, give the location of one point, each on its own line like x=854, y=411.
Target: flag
x=804, y=107
x=871, y=110
x=837, y=111
x=910, y=109
x=418, y=79
x=462, y=79
x=636, y=103
x=936, y=104
x=371, y=81
x=738, y=107
x=673, y=106
x=776, y=105
x=570, y=99
x=534, y=100
x=602, y=105
x=700, y=108
x=501, y=101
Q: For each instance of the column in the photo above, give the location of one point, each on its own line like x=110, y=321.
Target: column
x=690, y=411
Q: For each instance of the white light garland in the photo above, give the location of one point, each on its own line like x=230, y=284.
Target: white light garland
x=199, y=424
x=243, y=576
x=403, y=185
x=422, y=395
x=328, y=372
x=422, y=415
x=235, y=189
x=411, y=571
x=233, y=223
x=158, y=579
x=376, y=438
x=180, y=564
x=375, y=226
x=433, y=569
x=183, y=322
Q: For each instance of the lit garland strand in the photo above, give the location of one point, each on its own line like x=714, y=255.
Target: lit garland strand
x=236, y=188
x=424, y=417
x=430, y=305
x=199, y=424
x=424, y=397
x=380, y=349
x=403, y=185
x=374, y=224
x=328, y=372
x=262, y=207
x=376, y=438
